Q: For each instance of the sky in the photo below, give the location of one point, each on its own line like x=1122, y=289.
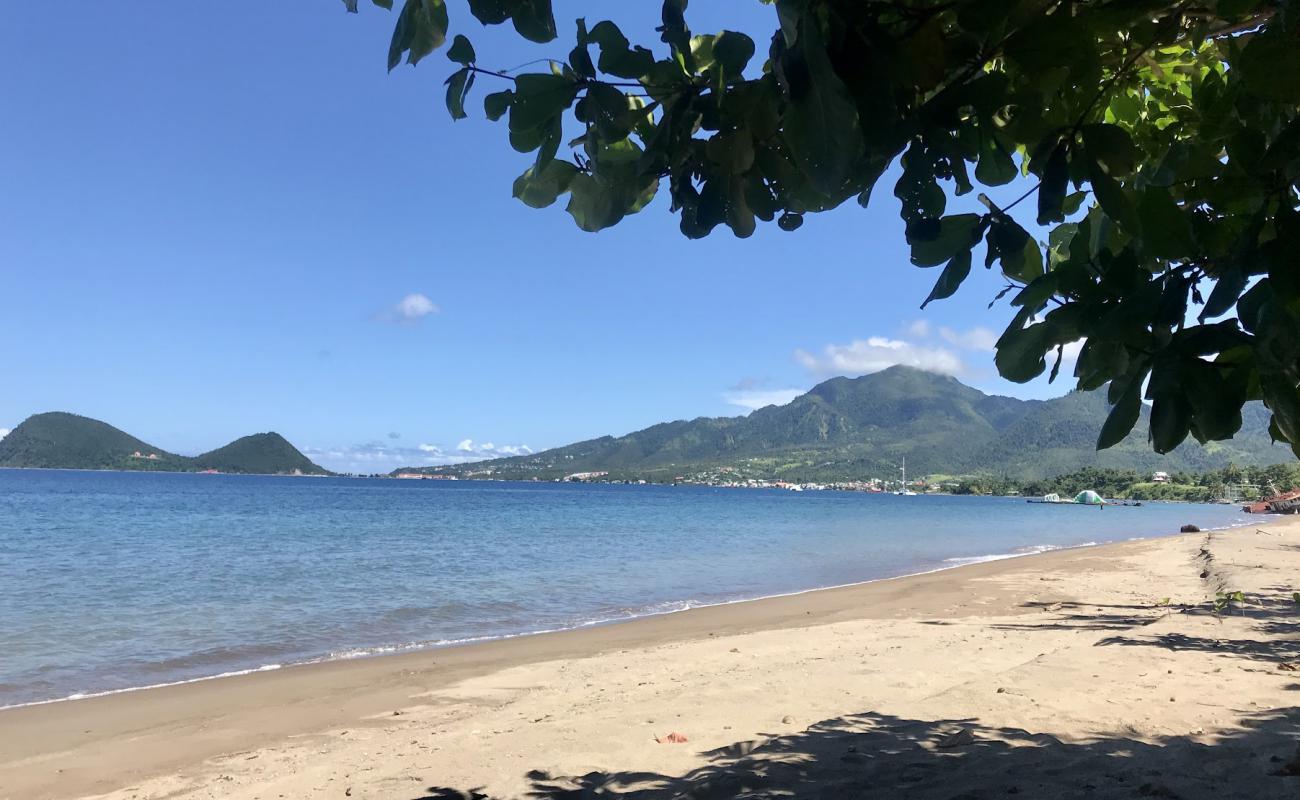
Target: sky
x=217, y=220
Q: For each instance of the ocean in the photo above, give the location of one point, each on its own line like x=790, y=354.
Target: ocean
x=111, y=581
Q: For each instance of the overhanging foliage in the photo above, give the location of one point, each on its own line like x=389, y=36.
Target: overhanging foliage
x=1160, y=140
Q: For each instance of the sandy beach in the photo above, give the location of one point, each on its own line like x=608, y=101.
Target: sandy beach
x=1097, y=672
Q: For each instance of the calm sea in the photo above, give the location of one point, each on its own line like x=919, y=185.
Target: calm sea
x=117, y=580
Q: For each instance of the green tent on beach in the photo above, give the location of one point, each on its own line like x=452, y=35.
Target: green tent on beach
x=1089, y=497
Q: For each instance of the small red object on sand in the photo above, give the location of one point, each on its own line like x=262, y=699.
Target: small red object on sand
x=672, y=738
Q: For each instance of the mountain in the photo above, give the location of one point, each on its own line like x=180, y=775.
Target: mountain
x=851, y=428
x=263, y=453
x=58, y=440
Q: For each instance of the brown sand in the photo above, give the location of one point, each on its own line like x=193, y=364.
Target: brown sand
x=1065, y=674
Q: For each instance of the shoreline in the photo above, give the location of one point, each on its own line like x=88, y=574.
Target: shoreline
x=390, y=650
x=107, y=742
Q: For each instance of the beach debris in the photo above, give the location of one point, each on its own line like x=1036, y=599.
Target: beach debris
x=1053, y=607
x=1289, y=666
x=672, y=738
x=735, y=649
x=1189, y=529
x=787, y=719
x=961, y=738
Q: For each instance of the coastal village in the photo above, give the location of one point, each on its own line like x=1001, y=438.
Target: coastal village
x=1260, y=500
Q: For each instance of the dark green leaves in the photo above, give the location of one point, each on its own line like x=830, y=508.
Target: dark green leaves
x=1166, y=229
x=1123, y=416
x=540, y=189
x=421, y=28
x=458, y=86
x=1188, y=142
x=1055, y=182
x=1112, y=148
x=617, y=57
x=539, y=98
x=821, y=120
x=995, y=166
x=497, y=104
x=461, y=51
x=951, y=278
x=732, y=52
x=939, y=243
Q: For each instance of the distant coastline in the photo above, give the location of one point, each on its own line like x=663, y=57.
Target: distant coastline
x=59, y=440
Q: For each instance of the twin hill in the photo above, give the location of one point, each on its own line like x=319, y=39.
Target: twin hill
x=854, y=428
x=58, y=440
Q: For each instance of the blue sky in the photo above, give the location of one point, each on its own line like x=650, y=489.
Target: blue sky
x=217, y=220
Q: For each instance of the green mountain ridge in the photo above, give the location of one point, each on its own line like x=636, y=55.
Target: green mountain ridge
x=856, y=428
x=59, y=440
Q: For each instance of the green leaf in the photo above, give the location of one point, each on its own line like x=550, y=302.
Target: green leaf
x=540, y=189
x=1270, y=63
x=616, y=56
x=491, y=12
x=1225, y=294
x=591, y=206
x=458, y=85
x=1166, y=229
x=421, y=28
x=995, y=166
x=1112, y=198
x=497, y=104
x=1122, y=417
x=951, y=278
x=1283, y=399
x=1021, y=349
x=790, y=221
x=533, y=20
x=461, y=51
x=1051, y=194
x=733, y=151
x=1072, y=202
x=1171, y=420
x=1112, y=148
x=740, y=217
x=732, y=51
x=955, y=234
x=821, y=121
x=538, y=99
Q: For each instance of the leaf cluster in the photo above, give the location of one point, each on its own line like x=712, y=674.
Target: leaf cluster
x=1159, y=141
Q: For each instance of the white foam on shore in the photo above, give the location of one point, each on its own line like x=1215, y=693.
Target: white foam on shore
x=660, y=609
x=88, y=695
x=1017, y=553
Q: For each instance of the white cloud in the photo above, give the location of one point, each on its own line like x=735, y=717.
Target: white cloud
x=466, y=446
x=976, y=338
x=4, y=432
x=409, y=310
x=919, y=328
x=864, y=356
x=754, y=399
x=380, y=456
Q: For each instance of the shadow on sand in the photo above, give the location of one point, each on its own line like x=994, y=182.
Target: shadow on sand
x=874, y=755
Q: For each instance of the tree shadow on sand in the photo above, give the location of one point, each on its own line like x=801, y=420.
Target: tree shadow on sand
x=1275, y=617
x=873, y=755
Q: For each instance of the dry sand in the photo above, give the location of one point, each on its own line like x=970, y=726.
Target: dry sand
x=1100, y=672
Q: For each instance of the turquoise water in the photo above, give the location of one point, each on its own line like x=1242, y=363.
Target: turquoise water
x=116, y=580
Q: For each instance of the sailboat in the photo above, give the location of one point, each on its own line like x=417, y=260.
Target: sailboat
x=904, y=491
